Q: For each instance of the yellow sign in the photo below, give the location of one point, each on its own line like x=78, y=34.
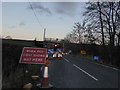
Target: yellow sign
x=83, y=52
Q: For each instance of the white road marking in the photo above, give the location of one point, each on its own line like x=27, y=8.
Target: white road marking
x=85, y=72
x=106, y=66
x=66, y=60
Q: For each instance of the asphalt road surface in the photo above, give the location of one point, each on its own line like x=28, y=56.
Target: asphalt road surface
x=74, y=72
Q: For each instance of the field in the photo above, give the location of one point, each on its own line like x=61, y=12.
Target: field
x=14, y=74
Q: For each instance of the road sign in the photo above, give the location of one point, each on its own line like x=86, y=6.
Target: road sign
x=33, y=55
x=83, y=52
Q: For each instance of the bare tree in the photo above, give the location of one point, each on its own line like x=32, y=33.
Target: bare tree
x=107, y=17
x=104, y=18
x=101, y=23
x=76, y=36
x=78, y=30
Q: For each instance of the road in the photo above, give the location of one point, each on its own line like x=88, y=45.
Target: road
x=74, y=72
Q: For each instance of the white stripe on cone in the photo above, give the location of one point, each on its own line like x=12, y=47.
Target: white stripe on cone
x=45, y=72
x=45, y=83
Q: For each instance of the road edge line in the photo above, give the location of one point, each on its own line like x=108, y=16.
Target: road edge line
x=106, y=66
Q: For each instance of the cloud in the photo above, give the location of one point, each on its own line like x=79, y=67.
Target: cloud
x=40, y=8
x=66, y=8
x=60, y=8
x=22, y=24
x=18, y=25
x=13, y=27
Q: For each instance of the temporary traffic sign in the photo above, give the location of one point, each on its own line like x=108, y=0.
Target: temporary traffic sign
x=33, y=55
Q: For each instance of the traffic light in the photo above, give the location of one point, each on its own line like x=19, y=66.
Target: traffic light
x=55, y=47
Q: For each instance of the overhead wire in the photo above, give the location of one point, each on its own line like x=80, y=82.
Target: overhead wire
x=35, y=14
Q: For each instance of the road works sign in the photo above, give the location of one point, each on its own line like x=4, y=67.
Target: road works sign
x=33, y=55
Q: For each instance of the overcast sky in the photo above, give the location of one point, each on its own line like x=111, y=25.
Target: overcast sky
x=20, y=22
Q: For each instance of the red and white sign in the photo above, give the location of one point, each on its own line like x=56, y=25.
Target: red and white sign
x=33, y=55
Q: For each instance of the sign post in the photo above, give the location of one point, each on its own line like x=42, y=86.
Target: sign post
x=33, y=55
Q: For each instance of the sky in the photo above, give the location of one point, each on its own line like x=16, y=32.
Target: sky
x=20, y=21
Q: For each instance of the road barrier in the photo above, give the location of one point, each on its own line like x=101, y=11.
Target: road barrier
x=60, y=56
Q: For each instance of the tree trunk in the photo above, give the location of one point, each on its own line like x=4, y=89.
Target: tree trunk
x=118, y=43
x=101, y=22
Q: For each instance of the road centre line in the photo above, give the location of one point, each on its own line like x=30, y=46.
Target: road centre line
x=82, y=70
x=66, y=60
x=85, y=72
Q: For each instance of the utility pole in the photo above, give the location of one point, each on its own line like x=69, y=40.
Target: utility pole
x=63, y=46
x=44, y=38
x=44, y=34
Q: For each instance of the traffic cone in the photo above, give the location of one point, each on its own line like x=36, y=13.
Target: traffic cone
x=45, y=82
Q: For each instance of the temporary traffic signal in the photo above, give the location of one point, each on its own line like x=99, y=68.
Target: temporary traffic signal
x=55, y=47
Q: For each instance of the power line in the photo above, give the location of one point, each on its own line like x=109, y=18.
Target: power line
x=35, y=14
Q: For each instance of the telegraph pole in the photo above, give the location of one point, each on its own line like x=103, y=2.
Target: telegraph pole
x=44, y=34
x=44, y=37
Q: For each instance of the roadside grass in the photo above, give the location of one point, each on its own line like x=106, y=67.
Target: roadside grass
x=13, y=73
x=87, y=57
x=90, y=58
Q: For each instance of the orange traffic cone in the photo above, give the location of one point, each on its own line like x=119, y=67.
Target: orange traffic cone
x=45, y=80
